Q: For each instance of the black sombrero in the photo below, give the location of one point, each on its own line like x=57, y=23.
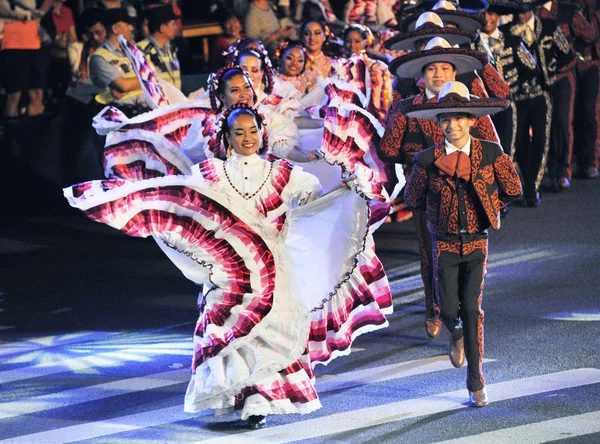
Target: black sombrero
x=428, y=26
x=454, y=98
x=449, y=14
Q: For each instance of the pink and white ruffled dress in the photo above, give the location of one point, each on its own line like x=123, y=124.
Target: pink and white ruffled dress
x=292, y=278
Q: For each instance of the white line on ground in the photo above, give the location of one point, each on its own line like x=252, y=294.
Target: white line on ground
x=411, y=408
x=120, y=424
x=92, y=393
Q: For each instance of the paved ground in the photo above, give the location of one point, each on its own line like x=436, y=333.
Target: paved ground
x=96, y=335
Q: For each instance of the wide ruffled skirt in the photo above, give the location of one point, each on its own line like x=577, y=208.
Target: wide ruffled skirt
x=277, y=303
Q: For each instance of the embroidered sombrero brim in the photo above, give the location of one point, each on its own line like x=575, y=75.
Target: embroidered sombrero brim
x=453, y=103
x=407, y=40
x=462, y=19
x=464, y=60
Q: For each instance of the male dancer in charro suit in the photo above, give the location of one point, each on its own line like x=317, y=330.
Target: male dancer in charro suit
x=578, y=31
x=437, y=64
x=462, y=183
x=551, y=50
x=587, y=103
x=513, y=61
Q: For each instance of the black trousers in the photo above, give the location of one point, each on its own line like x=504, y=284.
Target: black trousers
x=459, y=270
x=506, y=127
x=425, y=252
x=561, y=138
x=587, y=120
x=531, y=151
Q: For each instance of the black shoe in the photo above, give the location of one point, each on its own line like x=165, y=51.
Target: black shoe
x=256, y=422
x=534, y=201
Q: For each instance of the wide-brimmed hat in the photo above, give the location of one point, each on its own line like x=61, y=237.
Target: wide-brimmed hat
x=449, y=14
x=465, y=5
x=427, y=26
x=454, y=97
x=504, y=7
x=438, y=50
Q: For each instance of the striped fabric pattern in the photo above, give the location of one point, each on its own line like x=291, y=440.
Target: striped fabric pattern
x=243, y=326
x=351, y=138
x=155, y=96
x=148, y=145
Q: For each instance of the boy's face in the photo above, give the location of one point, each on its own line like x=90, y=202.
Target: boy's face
x=436, y=75
x=455, y=127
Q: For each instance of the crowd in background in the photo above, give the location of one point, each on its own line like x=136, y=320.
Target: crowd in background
x=47, y=50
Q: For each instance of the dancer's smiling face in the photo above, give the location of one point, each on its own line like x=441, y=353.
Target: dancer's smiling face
x=436, y=74
x=456, y=127
x=313, y=37
x=244, y=134
x=252, y=65
x=237, y=90
x=292, y=62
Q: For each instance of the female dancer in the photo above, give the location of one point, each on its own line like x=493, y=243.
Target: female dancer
x=290, y=60
x=315, y=35
x=373, y=74
x=258, y=234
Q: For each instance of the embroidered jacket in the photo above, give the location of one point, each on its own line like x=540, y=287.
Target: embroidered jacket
x=403, y=137
x=551, y=51
x=511, y=58
x=589, y=51
x=483, y=83
x=494, y=184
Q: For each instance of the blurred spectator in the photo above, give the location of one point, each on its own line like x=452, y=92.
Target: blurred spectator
x=162, y=24
x=233, y=32
x=262, y=24
x=21, y=65
x=112, y=4
x=176, y=10
x=94, y=34
x=111, y=70
x=59, y=69
x=129, y=5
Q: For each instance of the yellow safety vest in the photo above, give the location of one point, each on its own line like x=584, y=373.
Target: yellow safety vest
x=167, y=66
x=122, y=63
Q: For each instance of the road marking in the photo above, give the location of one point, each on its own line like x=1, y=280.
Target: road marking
x=97, y=429
x=410, y=408
x=538, y=432
x=325, y=383
x=92, y=393
x=581, y=316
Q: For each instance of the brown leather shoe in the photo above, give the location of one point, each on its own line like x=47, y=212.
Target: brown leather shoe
x=478, y=398
x=456, y=352
x=433, y=325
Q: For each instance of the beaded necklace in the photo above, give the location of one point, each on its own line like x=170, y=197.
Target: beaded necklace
x=245, y=195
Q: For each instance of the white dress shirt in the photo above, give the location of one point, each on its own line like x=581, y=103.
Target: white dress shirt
x=451, y=148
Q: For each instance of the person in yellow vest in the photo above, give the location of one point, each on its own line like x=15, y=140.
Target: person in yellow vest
x=111, y=70
x=162, y=24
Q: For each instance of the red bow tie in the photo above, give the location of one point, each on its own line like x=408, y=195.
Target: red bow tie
x=455, y=163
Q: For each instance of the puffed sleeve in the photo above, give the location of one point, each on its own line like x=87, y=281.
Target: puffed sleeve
x=302, y=188
x=283, y=133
